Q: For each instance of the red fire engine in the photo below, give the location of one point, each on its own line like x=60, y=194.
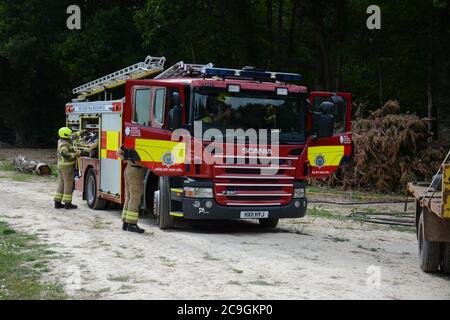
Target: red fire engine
x=186, y=178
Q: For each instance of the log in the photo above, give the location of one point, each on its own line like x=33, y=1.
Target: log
x=21, y=164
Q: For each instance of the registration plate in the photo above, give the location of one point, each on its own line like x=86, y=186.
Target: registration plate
x=254, y=214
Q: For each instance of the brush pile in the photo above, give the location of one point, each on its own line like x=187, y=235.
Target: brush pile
x=391, y=149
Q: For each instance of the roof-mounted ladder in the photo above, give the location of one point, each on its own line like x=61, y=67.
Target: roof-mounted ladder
x=181, y=69
x=150, y=66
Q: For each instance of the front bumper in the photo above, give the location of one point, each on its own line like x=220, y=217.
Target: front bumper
x=218, y=212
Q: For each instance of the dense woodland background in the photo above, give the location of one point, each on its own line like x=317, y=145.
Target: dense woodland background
x=327, y=41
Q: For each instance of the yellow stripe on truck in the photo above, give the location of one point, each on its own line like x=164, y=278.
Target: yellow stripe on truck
x=112, y=140
x=153, y=150
x=332, y=155
x=446, y=192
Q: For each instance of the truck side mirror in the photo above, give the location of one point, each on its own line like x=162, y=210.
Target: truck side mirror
x=175, y=115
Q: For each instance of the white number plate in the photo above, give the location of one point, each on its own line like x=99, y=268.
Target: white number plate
x=254, y=214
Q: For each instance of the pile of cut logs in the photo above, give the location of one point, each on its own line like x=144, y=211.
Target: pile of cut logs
x=21, y=164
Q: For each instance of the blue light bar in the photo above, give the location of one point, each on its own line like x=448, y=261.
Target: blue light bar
x=253, y=74
x=288, y=76
x=219, y=72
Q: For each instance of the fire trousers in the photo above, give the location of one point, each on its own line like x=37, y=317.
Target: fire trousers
x=134, y=188
x=65, y=184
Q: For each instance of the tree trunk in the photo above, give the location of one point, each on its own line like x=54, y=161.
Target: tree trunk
x=380, y=83
x=280, y=33
x=269, y=21
x=430, y=48
x=292, y=32
x=322, y=51
x=340, y=14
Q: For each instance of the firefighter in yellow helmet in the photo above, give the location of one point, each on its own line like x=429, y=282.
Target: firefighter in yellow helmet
x=67, y=157
x=134, y=188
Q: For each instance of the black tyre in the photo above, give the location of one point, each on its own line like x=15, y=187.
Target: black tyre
x=161, y=204
x=446, y=258
x=269, y=223
x=429, y=252
x=90, y=187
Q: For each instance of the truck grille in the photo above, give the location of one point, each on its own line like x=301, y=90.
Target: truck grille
x=246, y=184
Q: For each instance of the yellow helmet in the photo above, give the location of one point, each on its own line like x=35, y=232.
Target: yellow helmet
x=65, y=133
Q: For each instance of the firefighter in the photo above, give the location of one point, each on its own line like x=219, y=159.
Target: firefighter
x=66, y=165
x=134, y=188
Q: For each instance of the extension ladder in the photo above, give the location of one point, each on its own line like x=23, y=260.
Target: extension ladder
x=181, y=69
x=151, y=65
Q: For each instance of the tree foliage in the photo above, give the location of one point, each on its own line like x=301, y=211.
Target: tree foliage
x=327, y=41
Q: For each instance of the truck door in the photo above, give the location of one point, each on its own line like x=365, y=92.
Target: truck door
x=147, y=132
x=110, y=164
x=325, y=155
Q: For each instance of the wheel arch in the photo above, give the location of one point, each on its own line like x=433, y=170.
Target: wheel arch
x=150, y=186
x=86, y=170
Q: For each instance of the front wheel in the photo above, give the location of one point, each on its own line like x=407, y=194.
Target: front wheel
x=429, y=252
x=446, y=258
x=90, y=187
x=161, y=204
x=269, y=223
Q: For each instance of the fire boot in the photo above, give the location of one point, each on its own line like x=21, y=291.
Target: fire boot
x=70, y=206
x=135, y=228
x=125, y=226
x=58, y=205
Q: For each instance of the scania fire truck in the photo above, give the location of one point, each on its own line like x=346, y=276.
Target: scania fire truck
x=143, y=107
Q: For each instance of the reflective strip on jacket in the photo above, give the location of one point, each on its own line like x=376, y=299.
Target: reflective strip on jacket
x=66, y=154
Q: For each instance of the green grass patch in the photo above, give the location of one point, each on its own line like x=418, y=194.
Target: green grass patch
x=22, y=262
x=6, y=165
x=322, y=213
x=404, y=229
x=54, y=169
x=350, y=194
x=119, y=278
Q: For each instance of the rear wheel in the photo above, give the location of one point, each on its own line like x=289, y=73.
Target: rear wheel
x=446, y=258
x=429, y=252
x=269, y=223
x=92, y=198
x=161, y=204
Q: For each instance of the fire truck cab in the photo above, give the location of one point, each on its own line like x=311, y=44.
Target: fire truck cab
x=217, y=143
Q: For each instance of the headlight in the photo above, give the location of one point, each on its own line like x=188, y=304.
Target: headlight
x=299, y=193
x=198, y=192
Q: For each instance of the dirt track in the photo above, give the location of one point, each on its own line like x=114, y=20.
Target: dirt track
x=310, y=258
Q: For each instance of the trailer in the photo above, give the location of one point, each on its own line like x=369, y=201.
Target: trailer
x=193, y=176
x=432, y=213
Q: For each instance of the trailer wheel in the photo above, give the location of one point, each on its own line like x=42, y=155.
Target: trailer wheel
x=90, y=187
x=429, y=252
x=161, y=204
x=446, y=258
x=269, y=223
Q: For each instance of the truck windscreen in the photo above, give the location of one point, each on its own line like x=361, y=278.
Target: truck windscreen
x=250, y=109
